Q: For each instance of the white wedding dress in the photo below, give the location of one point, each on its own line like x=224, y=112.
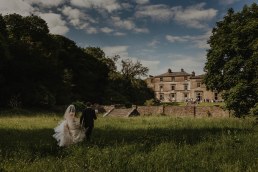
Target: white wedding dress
x=69, y=131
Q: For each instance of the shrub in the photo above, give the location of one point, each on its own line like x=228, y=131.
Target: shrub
x=254, y=110
x=151, y=102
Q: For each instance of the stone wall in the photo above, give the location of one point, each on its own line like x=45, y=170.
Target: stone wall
x=206, y=111
x=211, y=111
x=150, y=110
x=179, y=110
x=195, y=111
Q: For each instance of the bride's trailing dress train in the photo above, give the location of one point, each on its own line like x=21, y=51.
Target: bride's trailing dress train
x=69, y=130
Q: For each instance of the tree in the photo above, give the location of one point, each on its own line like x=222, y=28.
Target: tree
x=131, y=70
x=130, y=85
x=232, y=60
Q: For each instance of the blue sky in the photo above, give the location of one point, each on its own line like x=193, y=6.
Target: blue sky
x=161, y=34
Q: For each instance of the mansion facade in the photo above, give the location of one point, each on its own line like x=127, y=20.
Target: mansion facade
x=181, y=87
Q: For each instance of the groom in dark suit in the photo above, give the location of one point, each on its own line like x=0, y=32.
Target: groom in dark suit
x=87, y=120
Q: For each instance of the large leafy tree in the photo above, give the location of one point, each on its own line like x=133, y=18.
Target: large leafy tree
x=232, y=60
x=132, y=69
x=125, y=86
x=41, y=69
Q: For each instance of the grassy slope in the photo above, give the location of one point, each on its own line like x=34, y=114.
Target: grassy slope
x=132, y=144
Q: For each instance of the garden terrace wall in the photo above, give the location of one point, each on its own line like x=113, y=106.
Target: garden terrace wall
x=196, y=111
x=150, y=110
x=179, y=110
x=211, y=111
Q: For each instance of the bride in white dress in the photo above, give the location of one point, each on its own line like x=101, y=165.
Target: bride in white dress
x=69, y=131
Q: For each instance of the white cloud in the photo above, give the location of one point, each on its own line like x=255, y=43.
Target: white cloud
x=91, y=30
x=124, y=24
x=153, y=43
x=46, y=3
x=55, y=23
x=199, y=41
x=79, y=19
x=194, y=16
x=141, y=30
x=116, y=50
x=71, y=13
x=142, y=1
x=126, y=6
x=106, y=30
x=156, y=12
x=15, y=6
x=74, y=16
x=228, y=2
x=171, y=38
x=108, y=5
x=127, y=24
x=119, y=34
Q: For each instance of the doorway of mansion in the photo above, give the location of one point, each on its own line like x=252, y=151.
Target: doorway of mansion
x=198, y=95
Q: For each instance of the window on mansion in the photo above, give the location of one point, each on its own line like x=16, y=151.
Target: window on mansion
x=173, y=95
x=173, y=87
x=161, y=96
x=172, y=78
x=161, y=88
x=216, y=96
x=198, y=84
x=185, y=86
x=161, y=79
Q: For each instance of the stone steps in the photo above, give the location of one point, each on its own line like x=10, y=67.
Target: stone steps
x=122, y=112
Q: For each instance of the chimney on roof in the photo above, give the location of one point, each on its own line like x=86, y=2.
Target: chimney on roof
x=182, y=70
x=193, y=73
x=169, y=71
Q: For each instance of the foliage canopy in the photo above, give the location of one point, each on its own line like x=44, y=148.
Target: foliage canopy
x=41, y=69
x=232, y=60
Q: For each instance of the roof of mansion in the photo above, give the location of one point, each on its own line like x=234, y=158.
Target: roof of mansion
x=169, y=73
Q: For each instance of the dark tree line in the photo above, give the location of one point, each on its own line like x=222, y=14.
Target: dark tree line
x=41, y=69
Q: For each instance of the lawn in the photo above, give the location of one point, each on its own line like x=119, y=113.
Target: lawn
x=157, y=143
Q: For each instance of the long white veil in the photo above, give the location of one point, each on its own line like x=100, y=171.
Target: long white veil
x=70, y=109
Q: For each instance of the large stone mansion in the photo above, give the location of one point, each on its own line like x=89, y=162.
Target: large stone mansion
x=180, y=87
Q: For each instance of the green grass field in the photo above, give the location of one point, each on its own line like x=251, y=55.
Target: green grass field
x=131, y=144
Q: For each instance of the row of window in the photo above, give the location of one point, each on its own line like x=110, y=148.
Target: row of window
x=172, y=78
x=198, y=96
x=173, y=86
x=172, y=96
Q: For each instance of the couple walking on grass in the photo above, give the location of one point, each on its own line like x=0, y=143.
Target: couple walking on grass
x=73, y=129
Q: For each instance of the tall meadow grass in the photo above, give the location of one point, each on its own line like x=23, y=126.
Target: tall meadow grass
x=157, y=143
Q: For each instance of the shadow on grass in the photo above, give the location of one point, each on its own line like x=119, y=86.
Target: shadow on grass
x=150, y=137
x=40, y=143
x=34, y=142
x=5, y=112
